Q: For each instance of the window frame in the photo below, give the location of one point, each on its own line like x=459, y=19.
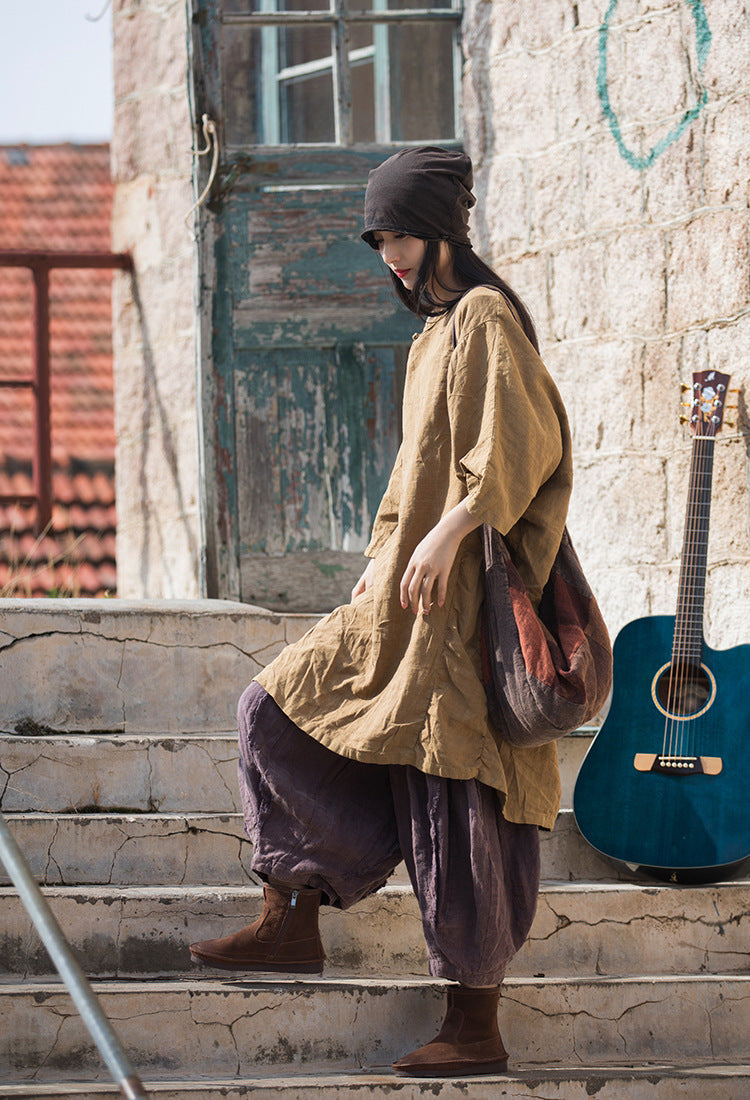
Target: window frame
x=340, y=62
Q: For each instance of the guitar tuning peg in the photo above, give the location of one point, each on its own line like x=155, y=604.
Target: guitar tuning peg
x=684, y=387
x=734, y=389
x=684, y=420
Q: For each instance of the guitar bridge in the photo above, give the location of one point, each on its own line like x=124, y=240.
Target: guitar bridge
x=677, y=765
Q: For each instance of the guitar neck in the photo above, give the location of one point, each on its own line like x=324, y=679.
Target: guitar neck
x=688, y=634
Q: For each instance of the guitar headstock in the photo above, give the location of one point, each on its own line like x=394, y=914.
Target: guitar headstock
x=709, y=397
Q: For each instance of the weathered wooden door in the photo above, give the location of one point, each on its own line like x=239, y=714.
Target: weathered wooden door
x=305, y=352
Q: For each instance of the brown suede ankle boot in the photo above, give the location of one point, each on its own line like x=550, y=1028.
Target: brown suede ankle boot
x=468, y=1042
x=285, y=938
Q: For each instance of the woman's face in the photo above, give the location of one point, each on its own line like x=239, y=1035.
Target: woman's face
x=402, y=254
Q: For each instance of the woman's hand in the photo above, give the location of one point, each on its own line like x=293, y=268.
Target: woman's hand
x=426, y=576
x=365, y=580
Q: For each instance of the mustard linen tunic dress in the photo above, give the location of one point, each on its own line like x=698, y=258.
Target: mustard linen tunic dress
x=482, y=421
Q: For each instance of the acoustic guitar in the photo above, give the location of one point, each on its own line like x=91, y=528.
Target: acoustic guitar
x=663, y=786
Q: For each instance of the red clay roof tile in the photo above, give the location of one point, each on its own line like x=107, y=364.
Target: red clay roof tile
x=56, y=197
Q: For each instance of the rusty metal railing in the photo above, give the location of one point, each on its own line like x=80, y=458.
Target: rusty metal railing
x=68, y=967
x=40, y=263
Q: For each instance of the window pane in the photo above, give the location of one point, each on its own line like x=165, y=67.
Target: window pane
x=361, y=62
x=246, y=7
x=307, y=111
x=278, y=85
x=302, y=5
x=241, y=76
x=422, y=95
x=356, y=6
x=278, y=81
x=305, y=84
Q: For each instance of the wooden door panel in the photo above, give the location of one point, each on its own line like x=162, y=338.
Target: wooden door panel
x=299, y=272
x=317, y=431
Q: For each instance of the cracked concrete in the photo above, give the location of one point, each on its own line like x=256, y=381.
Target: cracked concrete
x=125, y=773
x=133, y=666
x=604, y=929
x=125, y=809
x=175, y=773
x=123, y=931
x=75, y=849
x=291, y=1024
x=605, y=1083
x=638, y=1018
x=211, y=849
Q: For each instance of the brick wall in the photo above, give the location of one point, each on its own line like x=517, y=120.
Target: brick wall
x=154, y=319
x=633, y=256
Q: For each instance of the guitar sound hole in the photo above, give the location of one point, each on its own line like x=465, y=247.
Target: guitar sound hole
x=683, y=689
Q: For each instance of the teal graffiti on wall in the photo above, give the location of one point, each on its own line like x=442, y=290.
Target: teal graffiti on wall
x=702, y=44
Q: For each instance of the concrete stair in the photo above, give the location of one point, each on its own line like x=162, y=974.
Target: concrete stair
x=598, y=929
x=626, y=988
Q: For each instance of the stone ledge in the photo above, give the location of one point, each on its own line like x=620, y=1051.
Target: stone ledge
x=662, y=1081
x=133, y=666
x=211, y=849
x=145, y=773
x=580, y=929
x=232, y=1027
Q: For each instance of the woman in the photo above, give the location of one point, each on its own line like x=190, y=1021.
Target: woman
x=398, y=758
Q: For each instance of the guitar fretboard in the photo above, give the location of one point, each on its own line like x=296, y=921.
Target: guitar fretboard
x=688, y=633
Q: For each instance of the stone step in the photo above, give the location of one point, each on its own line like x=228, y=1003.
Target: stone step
x=639, y=1082
x=179, y=773
x=133, y=666
x=580, y=929
x=211, y=850
x=232, y=1028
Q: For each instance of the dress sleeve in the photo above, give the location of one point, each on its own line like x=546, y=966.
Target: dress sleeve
x=386, y=519
x=506, y=434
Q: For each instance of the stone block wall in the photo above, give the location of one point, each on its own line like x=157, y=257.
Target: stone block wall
x=611, y=144
x=157, y=424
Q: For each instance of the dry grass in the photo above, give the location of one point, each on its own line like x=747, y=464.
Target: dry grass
x=23, y=573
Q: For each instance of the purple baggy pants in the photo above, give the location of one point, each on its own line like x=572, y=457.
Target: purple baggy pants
x=319, y=819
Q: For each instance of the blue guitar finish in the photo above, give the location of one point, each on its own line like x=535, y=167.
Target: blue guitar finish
x=690, y=827
x=663, y=786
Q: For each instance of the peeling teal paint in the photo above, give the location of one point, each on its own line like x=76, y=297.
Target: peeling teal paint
x=306, y=360
x=329, y=417
x=702, y=43
x=329, y=570
x=224, y=416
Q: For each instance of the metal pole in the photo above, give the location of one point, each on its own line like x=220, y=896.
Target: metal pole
x=84, y=998
x=42, y=433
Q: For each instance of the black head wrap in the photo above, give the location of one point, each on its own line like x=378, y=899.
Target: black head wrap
x=424, y=192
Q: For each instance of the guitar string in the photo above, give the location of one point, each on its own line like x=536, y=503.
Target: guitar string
x=683, y=666
x=688, y=665
x=668, y=748
x=694, y=631
x=691, y=656
x=685, y=672
x=699, y=575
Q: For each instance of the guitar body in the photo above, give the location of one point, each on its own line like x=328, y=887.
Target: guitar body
x=686, y=825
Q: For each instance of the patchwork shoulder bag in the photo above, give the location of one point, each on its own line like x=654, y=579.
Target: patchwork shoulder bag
x=546, y=673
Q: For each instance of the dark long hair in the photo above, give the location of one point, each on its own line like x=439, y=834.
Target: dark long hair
x=468, y=271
